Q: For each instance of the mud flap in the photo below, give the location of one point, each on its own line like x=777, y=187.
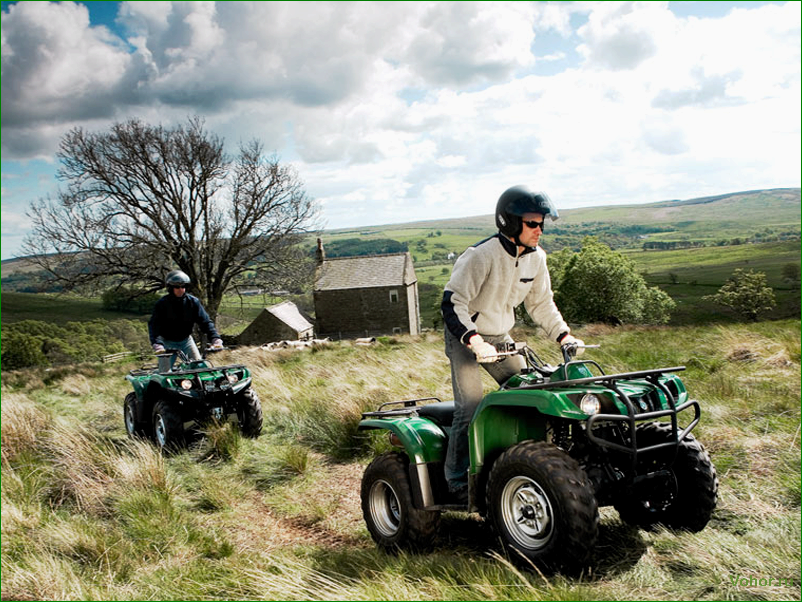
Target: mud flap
x=429, y=487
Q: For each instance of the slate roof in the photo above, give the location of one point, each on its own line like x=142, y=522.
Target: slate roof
x=369, y=271
x=288, y=313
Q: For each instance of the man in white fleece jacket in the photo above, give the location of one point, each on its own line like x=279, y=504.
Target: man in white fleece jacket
x=487, y=283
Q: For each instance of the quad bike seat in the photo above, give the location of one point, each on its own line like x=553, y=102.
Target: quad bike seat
x=441, y=412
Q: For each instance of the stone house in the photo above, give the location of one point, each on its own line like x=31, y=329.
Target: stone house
x=282, y=322
x=366, y=296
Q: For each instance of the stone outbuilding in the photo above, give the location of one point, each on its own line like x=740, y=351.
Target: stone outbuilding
x=366, y=296
x=282, y=322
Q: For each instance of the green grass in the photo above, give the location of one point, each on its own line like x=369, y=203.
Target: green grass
x=58, y=309
x=90, y=515
x=689, y=275
x=713, y=265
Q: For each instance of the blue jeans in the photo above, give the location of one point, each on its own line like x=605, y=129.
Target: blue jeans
x=187, y=346
x=466, y=380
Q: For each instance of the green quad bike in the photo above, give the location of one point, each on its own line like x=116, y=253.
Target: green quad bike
x=170, y=402
x=547, y=448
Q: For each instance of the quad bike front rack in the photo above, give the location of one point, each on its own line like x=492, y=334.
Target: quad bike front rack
x=632, y=416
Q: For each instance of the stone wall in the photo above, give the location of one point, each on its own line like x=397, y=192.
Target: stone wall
x=352, y=313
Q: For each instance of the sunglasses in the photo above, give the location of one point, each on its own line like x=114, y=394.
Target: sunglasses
x=184, y=286
x=533, y=224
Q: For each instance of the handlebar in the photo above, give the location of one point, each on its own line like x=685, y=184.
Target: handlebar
x=569, y=350
x=506, y=350
x=169, y=352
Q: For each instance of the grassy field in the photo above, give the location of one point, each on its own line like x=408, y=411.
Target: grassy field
x=90, y=515
x=58, y=309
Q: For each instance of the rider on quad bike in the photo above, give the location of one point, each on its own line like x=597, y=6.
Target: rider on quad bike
x=174, y=317
x=541, y=454
x=546, y=450
x=172, y=401
x=487, y=283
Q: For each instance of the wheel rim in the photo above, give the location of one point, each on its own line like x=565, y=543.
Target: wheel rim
x=527, y=513
x=385, y=508
x=161, y=430
x=129, y=418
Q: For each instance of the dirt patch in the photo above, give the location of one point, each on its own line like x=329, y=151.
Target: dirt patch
x=743, y=355
x=266, y=529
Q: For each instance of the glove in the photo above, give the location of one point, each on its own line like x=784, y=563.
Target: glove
x=217, y=343
x=576, y=343
x=158, y=348
x=485, y=352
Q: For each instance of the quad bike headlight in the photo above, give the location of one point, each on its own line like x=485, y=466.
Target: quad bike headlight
x=186, y=384
x=232, y=378
x=590, y=404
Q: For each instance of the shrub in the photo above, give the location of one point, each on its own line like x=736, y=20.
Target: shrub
x=601, y=285
x=35, y=343
x=746, y=293
x=22, y=350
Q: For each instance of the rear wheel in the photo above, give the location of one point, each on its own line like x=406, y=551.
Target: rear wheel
x=686, y=497
x=542, y=505
x=134, y=427
x=168, y=428
x=249, y=413
x=387, y=506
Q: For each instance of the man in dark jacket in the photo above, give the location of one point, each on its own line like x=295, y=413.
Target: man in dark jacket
x=174, y=317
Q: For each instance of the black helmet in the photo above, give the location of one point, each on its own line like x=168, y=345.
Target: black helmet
x=177, y=278
x=517, y=201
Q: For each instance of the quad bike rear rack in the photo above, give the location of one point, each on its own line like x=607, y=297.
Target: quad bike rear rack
x=409, y=408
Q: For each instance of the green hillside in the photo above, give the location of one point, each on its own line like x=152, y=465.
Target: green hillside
x=758, y=230
x=756, y=216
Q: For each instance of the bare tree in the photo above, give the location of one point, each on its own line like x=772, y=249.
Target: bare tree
x=141, y=200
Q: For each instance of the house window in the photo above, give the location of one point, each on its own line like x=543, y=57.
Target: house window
x=394, y=296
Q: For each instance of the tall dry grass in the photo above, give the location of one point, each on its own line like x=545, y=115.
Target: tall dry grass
x=89, y=514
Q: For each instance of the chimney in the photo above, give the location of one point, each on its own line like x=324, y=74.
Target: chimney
x=320, y=254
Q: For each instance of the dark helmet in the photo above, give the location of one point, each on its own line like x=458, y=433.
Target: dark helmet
x=177, y=278
x=517, y=201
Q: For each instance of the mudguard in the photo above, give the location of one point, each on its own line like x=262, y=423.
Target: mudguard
x=424, y=441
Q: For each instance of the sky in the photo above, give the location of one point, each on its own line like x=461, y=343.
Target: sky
x=401, y=111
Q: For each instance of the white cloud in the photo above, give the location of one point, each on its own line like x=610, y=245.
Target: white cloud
x=401, y=111
x=621, y=35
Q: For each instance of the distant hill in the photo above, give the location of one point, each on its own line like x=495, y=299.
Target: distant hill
x=777, y=206
x=772, y=214
x=733, y=218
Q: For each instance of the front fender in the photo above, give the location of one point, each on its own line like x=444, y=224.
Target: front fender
x=139, y=386
x=423, y=440
x=507, y=417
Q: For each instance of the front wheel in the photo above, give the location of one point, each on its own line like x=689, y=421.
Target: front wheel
x=134, y=427
x=168, y=428
x=542, y=505
x=686, y=497
x=249, y=413
x=387, y=506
